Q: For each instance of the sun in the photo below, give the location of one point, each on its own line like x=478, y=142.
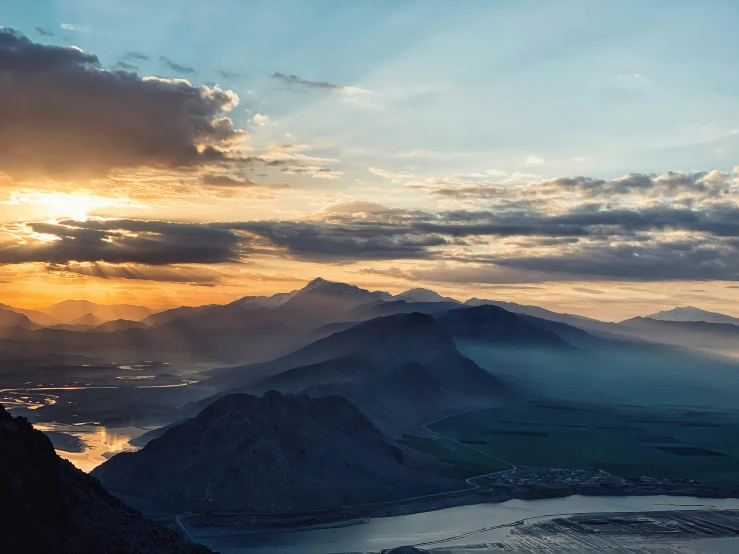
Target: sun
x=74, y=206
x=59, y=205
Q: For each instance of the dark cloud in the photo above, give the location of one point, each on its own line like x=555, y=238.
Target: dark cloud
x=124, y=66
x=657, y=243
x=658, y=261
x=294, y=80
x=688, y=187
x=64, y=116
x=228, y=74
x=44, y=32
x=586, y=221
x=136, y=56
x=324, y=242
x=174, y=66
x=464, y=274
x=121, y=241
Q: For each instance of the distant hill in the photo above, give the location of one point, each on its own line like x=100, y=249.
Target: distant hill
x=48, y=505
x=493, y=325
x=696, y=335
x=118, y=325
x=277, y=453
x=10, y=318
x=88, y=319
x=37, y=317
x=380, y=309
x=183, y=312
x=374, y=364
x=388, y=341
x=587, y=323
x=70, y=310
x=423, y=295
x=689, y=313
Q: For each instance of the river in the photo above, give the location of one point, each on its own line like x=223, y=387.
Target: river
x=390, y=532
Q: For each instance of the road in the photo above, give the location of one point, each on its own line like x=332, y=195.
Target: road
x=185, y=528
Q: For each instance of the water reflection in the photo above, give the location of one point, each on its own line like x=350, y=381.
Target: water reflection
x=100, y=443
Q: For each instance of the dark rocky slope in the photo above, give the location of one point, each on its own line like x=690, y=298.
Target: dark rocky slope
x=270, y=454
x=48, y=505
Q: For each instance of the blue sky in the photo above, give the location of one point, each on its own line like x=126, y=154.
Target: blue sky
x=597, y=88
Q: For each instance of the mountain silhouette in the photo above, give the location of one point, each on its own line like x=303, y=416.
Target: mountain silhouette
x=367, y=362
x=70, y=310
x=689, y=313
x=423, y=295
x=275, y=453
x=493, y=325
x=48, y=505
x=10, y=318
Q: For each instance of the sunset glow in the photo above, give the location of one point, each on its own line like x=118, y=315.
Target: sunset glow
x=196, y=171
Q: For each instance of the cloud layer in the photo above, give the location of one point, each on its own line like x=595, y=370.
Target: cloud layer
x=64, y=116
x=640, y=227
x=117, y=241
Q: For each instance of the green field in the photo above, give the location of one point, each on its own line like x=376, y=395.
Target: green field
x=628, y=441
x=466, y=460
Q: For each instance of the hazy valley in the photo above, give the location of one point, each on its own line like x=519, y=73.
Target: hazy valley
x=350, y=404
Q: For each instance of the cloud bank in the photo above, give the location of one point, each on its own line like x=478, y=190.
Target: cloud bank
x=64, y=116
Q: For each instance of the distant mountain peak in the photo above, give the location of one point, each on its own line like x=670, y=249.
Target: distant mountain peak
x=333, y=288
x=420, y=294
x=691, y=313
x=69, y=310
x=318, y=282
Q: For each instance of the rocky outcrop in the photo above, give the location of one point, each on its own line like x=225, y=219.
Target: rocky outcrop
x=48, y=505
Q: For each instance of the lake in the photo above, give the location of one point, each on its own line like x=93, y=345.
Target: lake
x=390, y=532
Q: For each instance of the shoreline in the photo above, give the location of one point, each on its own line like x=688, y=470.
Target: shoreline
x=338, y=517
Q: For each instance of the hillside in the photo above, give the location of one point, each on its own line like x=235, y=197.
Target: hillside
x=50, y=506
x=491, y=324
x=589, y=324
x=386, y=342
x=401, y=370
x=696, y=335
x=10, y=318
x=274, y=453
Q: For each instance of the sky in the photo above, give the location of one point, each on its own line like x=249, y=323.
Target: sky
x=578, y=155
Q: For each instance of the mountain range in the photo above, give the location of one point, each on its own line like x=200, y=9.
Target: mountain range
x=261, y=328
x=310, y=396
